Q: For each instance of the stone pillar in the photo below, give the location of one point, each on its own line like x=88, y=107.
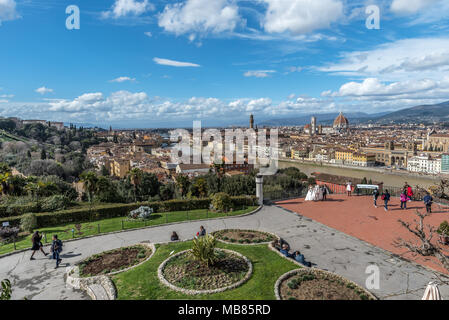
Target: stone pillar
x=259, y=188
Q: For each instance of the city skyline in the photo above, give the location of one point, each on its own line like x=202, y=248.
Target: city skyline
x=167, y=63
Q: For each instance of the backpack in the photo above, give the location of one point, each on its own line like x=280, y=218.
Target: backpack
x=383, y=197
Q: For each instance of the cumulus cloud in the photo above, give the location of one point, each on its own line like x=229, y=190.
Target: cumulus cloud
x=399, y=60
x=199, y=17
x=301, y=16
x=410, y=6
x=259, y=73
x=123, y=8
x=8, y=11
x=174, y=63
x=43, y=90
x=123, y=79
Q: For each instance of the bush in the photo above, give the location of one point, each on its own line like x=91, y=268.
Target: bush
x=203, y=249
x=6, y=233
x=28, y=222
x=56, y=202
x=444, y=228
x=221, y=202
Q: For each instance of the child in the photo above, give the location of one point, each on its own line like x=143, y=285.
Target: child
x=404, y=200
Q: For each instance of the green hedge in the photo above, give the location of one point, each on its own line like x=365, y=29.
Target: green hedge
x=14, y=210
x=99, y=212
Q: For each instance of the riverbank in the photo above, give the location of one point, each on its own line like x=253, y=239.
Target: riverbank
x=389, y=178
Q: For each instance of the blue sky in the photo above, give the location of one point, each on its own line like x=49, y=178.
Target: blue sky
x=150, y=63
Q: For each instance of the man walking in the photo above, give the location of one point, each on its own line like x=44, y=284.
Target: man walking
x=56, y=248
x=428, y=202
x=375, y=196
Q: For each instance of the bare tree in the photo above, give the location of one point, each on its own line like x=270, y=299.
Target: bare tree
x=425, y=246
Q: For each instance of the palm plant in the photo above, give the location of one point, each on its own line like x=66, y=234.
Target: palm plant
x=5, y=174
x=89, y=180
x=135, y=176
x=203, y=250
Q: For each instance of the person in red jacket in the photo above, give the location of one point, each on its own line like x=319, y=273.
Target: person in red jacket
x=409, y=193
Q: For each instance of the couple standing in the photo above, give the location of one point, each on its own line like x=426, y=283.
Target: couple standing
x=316, y=193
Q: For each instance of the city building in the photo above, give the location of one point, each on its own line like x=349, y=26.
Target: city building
x=424, y=163
x=445, y=163
x=341, y=123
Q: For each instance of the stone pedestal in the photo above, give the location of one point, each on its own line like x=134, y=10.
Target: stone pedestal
x=259, y=188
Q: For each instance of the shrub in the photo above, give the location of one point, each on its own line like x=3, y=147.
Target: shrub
x=5, y=290
x=203, y=249
x=221, y=202
x=443, y=228
x=28, y=222
x=7, y=233
x=56, y=202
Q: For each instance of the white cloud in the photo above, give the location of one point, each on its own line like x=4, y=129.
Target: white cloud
x=399, y=60
x=123, y=79
x=410, y=6
x=198, y=17
x=8, y=10
x=148, y=34
x=173, y=63
x=301, y=16
x=43, y=90
x=123, y=8
x=259, y=73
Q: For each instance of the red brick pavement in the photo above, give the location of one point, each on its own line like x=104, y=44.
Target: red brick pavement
x=357, y=216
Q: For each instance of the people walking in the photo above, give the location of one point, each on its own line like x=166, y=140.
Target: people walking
x=386, y=198
x=375, y=196
x=56, y=248
x=404, y=200
x=36, y=240
x=428, y=202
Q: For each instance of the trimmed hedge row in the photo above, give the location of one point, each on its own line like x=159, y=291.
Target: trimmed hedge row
x=17, y=209
x=79, y=215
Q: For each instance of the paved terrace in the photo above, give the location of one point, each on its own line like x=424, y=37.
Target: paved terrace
x=326, y=247
x=357, y=216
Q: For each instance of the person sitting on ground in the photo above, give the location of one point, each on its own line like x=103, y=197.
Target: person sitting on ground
x=202, y=232
x=56, y=248
x=174, y=236
x=300, y=258
x=428, y=202
x=285, y=250
x=276, y=244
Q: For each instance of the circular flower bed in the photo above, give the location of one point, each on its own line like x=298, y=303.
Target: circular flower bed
x=114, y=260
x=314, y=284
x=238, y=236
x=182, y=272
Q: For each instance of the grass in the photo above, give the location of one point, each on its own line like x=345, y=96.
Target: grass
x=64, y=232
x=142, y=282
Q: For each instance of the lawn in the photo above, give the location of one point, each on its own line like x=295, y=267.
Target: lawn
x=142, y=282
x=64, y=232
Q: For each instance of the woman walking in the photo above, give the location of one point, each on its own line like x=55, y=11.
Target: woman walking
x=386, y=198
x=36, y=239
x=404, y=200
x=410, y=193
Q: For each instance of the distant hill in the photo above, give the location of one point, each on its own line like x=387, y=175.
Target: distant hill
x=424, y=113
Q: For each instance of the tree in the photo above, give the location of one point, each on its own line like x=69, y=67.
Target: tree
x=199, y=188
x=89, y=180
x=135, y=177
x=5, y=174
x=43, y=155
x=182, y=183
x=426, y=247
